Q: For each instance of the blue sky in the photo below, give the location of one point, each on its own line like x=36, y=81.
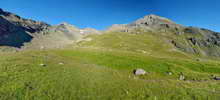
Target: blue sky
x=100, y=14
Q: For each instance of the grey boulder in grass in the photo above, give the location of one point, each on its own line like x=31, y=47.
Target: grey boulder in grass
x=139, y=71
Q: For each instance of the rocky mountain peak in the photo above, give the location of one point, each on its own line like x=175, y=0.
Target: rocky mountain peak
x=64, y=24
x=152, y=16
x=9, y=15
x=153, y=20
x=66, y=27
x=148, y=23
x=155, y=17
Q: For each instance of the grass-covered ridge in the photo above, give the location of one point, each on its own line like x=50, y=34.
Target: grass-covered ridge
x=90, y=73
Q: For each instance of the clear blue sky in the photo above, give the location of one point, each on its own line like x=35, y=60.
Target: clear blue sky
x=100, y=14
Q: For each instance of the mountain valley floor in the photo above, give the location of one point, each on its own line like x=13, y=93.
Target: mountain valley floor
x=100, y=74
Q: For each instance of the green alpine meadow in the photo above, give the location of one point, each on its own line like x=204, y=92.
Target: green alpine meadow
x=151, y=58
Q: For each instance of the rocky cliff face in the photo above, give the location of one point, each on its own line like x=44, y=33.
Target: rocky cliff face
x=15, y=31
x=26, y=24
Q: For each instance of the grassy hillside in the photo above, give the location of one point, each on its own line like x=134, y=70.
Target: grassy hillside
x=148, y=43
x=158, y=43
x=101, y=68
x=88, y=73
x=95, y=66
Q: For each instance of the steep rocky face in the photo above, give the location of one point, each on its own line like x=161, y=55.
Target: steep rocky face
x=26, y=24
x=15, y=31
x=1, y=11
x=12, y=35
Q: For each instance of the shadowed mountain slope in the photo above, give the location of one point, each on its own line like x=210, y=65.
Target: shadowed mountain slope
x=12, y=35
x=15, y=31
x=29, y=34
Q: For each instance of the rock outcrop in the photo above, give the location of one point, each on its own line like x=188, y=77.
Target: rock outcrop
x=15, y=31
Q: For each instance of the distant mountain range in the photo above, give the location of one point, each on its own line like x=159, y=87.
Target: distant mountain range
x=23, y=33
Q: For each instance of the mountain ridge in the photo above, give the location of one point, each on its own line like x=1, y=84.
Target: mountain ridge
x=191, y=40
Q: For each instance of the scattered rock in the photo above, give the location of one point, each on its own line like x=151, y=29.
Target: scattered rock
x=61, y=63
x=126, y=92
x=43, y=65
x=193, y=40
x=139, y=71
x=143, y=51
x=169, y=73
x=177, y=45
x=42, y=47
x=181, y=76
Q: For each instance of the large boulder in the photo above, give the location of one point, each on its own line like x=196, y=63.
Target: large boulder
x=216, y=78
x=139, y=71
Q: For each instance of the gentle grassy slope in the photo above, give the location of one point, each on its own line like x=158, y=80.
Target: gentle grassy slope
x=103, y=74
x=147, y=43
x=163, y=44
x=102, y=68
